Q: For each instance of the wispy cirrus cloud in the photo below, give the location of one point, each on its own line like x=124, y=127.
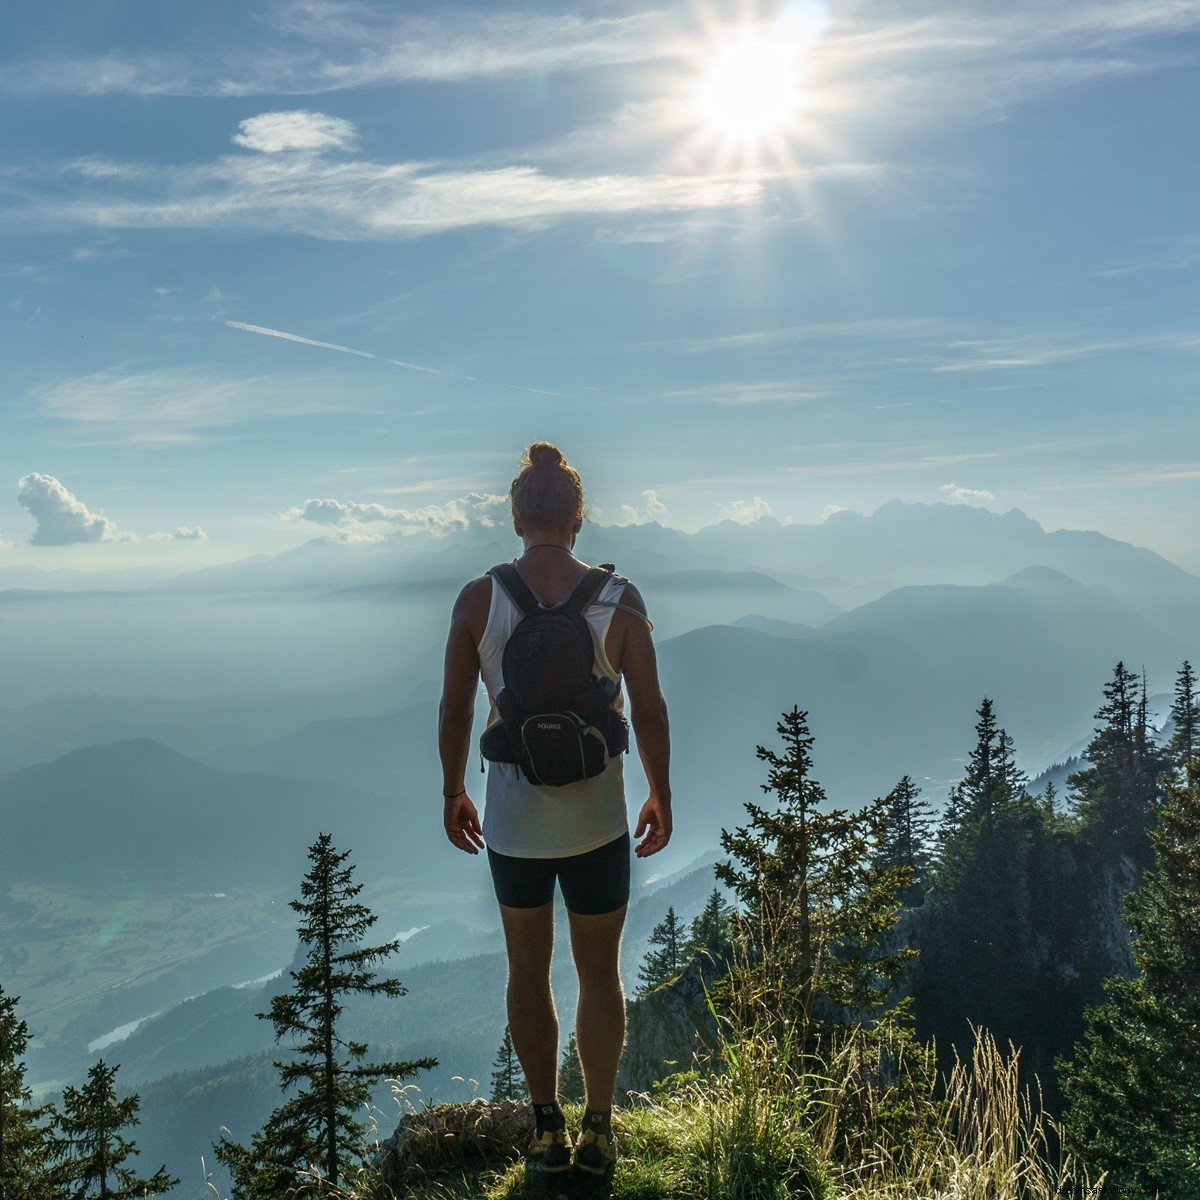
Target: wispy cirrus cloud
x=179, y=406
x=743, y=394
x=873, y=328
x=952, y=60
x=1047, y=348
x=290, y=187
x=312, y=49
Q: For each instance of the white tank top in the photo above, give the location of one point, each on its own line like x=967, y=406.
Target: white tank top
x=520, y=818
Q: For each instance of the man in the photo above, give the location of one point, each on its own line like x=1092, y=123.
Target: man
x=575, y=835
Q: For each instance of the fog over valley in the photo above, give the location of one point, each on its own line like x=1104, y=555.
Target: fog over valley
x=169, y=745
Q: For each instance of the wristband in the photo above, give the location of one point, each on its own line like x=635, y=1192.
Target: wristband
x=454, y=796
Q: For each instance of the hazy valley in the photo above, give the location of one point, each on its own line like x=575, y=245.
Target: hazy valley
x=170, y=746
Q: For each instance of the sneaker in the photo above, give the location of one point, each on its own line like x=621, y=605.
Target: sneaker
x=595, y=1153
x=550, y=1154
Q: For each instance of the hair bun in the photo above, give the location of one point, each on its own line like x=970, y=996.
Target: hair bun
x=545, y=454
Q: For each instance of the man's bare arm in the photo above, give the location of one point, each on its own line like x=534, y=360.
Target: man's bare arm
x=456, y=713
x=648, y=715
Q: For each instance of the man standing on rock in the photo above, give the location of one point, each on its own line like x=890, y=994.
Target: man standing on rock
x=573, y=833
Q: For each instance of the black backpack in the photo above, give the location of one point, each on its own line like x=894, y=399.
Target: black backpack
x=557, y=722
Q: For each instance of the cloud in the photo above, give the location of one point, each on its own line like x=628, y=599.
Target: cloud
x=290, y=191
x=746, y=512
x=184, y=533
x=829, y=510
x=963, y=495
x=318, y=48
x=650, y=511
x=274, y=132
x=741, y=395
x=62, y=519
x=353, y=521
x=180, y=406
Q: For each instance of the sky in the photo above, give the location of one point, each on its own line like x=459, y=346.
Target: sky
x=278, y=269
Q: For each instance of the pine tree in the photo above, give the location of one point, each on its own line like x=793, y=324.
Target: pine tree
x=1134, y=1085
x=712, y=930
x=1116, y=796
x=570, y=1074
x=1185, y=721
x=664, y=964
x=27, y=1141
x=508, y=1080
x=908, y=837
x=994, y=912
x=94, y=1150
x=318, y=1128
x=815, y=909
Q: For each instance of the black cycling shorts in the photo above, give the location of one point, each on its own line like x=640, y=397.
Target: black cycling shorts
x=592, y=884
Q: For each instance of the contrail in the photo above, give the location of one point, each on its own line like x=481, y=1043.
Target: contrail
x=393, y=362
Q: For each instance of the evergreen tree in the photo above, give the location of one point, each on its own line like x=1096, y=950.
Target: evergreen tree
x=94, y=1150
x=908, y=837
x=1134, y=1085
x=815, y=909
x=712, y=931
x=996, y=912
x=570, y=1074
x=508, y=1080
x=1116, y=796
x=1185, y=721
x=664, y=964
x=318, y=1128
x=1050, y=802
x=27, y=1142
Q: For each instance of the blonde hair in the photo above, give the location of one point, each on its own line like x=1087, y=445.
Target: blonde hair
x=547, y=492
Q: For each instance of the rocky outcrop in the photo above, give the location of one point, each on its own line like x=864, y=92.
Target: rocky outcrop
x=669, y=1028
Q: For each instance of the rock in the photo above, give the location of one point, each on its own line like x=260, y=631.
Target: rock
x=668, y=1028
x=480, y=1131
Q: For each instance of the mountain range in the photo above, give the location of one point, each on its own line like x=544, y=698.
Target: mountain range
x=171, y=746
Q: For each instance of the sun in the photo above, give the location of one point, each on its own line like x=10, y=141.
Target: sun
x=749, y=90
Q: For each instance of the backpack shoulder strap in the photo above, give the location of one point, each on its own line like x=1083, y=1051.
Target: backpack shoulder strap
x=519, y=592
x=587, y=589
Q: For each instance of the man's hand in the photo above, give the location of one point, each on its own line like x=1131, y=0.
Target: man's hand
x=655, y=822
x=462, y=824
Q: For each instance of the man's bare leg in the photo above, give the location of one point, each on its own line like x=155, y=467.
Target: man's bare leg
x=600, y=1016
x=532, y=1021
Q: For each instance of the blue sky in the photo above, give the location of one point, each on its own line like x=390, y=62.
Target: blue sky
x=256, y=254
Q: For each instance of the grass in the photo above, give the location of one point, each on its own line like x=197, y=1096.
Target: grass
x=760, y=1128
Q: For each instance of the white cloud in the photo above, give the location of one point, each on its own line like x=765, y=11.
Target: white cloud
x=829, y=510
x=352, y=521
x=651, y=510
x=746, y=512
x=184, y=533
x=361, y=200
x=274, y=132
x=319, y=48
x=963, y=495
x=739, y=395
x=62, y=519
x=179, y=406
